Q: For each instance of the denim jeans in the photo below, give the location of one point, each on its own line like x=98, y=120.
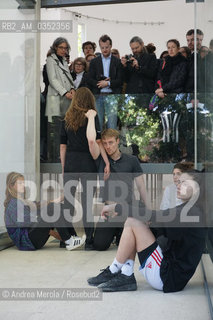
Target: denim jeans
x=107, y=110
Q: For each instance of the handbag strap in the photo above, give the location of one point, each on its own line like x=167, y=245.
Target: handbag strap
x=70, y=81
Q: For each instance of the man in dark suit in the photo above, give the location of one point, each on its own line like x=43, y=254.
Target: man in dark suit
x=190, y=38
x=105, y=80
x=187, y=120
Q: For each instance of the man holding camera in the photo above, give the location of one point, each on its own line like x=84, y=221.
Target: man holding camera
x=139, y=68
x=105, y=79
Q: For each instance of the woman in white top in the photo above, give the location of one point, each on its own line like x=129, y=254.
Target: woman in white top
x=170, y=199
x=79, y=72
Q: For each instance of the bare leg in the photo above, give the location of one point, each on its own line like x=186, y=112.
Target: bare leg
x=127, y=245
x=55, y=234
x=136, y=237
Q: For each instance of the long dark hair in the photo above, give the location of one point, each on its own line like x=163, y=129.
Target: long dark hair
x=83, y=101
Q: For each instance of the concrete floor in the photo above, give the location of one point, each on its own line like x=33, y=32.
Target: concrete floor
x=53, y=267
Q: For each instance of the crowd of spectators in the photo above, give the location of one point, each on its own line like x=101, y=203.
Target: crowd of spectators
x=107, y=72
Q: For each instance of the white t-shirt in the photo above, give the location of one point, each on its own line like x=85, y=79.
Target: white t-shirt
x=170, y=199
x=78, y=79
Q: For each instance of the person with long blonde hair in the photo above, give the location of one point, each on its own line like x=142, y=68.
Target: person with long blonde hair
x=76, y=159
x=26, y=221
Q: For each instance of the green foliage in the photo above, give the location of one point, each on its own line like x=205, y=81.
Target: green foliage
x=142, y=125
x=145, y=128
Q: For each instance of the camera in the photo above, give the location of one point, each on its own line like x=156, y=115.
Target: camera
x=101, y=77
x=128, y=58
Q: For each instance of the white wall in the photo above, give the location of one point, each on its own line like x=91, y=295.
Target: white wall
x=17, y=98
x=178, y=17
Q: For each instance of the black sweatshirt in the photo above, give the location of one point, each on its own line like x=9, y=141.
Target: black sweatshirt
x=185, y=244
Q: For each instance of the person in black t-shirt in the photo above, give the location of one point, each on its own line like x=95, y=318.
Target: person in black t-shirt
x=125, y=170
x=170, y=268
x=76, y=160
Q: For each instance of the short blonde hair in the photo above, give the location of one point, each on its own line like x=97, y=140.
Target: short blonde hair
x=110, y=133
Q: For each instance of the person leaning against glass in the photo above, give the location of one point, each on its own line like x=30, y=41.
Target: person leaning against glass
x=167, y=267
x=29, y=224
x=170, y=199
x=76, y=160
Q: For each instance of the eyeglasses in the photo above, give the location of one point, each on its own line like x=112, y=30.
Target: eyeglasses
x=62, y=48
x=114, y=53
x=78, y=64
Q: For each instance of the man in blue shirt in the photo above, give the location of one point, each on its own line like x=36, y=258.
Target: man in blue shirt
x=105, y=79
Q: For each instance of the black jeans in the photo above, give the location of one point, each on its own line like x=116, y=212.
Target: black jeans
x=105, y=231
x=71, y=181
x=104, y=236
x=39, y=233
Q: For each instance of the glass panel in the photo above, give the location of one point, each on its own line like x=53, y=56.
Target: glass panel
x=18, y=96
x=160, y=131
x=205, y=117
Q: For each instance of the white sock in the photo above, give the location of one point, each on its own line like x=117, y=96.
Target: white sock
x=128, y=267
x=115, y=266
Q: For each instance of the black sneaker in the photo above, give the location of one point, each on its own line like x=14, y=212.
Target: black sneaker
x=119, y=283
x=62, y=244
x=89, y=246
x=104, y=276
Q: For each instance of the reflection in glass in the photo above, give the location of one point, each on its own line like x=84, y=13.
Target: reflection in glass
x=163, y=134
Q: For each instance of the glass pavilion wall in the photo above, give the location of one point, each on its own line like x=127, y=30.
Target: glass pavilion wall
x=177, y=128
x=19, y=92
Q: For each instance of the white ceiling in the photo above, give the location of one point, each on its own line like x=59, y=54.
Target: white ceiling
x=126, y=11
